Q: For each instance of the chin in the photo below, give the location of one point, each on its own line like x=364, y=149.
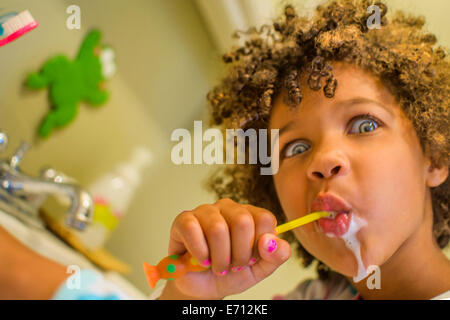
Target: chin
x=344, y=261
x=346, y=266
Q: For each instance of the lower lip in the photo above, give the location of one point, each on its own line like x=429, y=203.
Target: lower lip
x=336, y=227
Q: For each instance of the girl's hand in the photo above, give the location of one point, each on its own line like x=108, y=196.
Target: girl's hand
x=237, y=241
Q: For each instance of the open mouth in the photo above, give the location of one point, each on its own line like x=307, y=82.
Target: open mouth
x=338, y=223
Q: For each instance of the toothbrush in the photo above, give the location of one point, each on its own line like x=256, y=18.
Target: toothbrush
x=17, y=26
x=176, y=266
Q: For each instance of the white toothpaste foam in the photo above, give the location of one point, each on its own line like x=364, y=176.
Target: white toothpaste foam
x=353, y=244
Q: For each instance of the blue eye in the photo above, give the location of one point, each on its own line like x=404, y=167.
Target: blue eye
x=296, y=148
x=363, y=125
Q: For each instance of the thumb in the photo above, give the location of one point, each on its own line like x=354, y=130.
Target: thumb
x=273, y=252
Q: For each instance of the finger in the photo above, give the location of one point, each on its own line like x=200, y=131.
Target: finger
x=242, y=231
x=265, y=222
x=273, y=252
x=187, y=234
x=217, y=235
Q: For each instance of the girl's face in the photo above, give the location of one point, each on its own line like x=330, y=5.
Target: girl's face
x=357, y=154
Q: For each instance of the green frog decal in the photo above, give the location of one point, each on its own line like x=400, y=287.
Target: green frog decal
x=71, y=82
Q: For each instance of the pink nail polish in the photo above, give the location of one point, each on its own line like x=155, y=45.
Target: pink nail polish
x=224, y=272
x=236, y=269
x=252, y=262
x=271, y=245
x=206, y=263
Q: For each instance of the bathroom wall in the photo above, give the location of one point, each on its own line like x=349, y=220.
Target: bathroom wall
x=167, y=61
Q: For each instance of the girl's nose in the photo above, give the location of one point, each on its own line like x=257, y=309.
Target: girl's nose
x=328, y=165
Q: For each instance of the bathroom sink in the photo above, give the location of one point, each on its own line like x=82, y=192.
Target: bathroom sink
x=47, y=244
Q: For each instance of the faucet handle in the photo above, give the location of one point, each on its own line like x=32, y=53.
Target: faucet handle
x=17, y=157
x=49, y=173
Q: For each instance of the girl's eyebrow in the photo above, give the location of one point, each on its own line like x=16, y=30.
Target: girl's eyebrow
x=362, y=100
x=348, y=103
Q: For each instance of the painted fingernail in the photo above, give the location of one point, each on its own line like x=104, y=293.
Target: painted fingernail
x=236, y=269
x=271, y=245
x=224, y=272
x=252, y=261
x=206, y=263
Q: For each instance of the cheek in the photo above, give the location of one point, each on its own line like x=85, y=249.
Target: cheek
x=392, y=178
x=392, y=190
x=291, y=189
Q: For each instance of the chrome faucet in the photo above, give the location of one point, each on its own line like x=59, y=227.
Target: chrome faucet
x=22, y=195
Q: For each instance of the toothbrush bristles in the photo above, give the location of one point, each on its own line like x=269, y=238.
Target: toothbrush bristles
x=15, y=23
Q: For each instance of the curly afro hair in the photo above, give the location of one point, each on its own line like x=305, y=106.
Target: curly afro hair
x=403, y=55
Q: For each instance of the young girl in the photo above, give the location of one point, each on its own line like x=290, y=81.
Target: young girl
x=364, y=133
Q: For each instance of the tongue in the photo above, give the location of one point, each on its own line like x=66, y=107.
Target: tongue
x=337, y=226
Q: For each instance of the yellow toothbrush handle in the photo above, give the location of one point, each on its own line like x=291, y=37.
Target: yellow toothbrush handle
x=301, y=221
